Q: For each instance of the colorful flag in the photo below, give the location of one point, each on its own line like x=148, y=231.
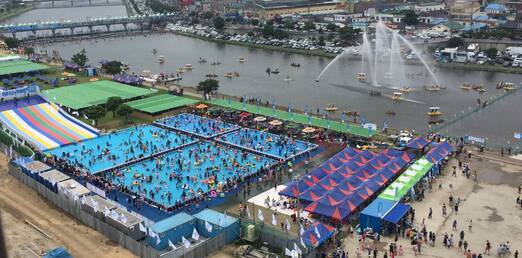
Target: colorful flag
x=260, y=215
x=172, y=245
x=186, y=243
x=274, y=221
x=195, y=234
x=142, y=228
x=208, y=226
x=317, y=232
x=288, y=226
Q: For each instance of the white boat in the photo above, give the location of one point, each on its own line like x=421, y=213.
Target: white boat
x=161, y=59
x=361, y=77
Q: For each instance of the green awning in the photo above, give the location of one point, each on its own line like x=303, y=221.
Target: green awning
x=400, y=187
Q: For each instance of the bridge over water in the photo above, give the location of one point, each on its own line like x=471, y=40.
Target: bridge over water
x=46, y=4
x=142, y=21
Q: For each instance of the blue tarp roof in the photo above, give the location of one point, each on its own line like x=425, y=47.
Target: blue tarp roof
x=58, y=252
x=397, y=213
x=417, y=143
x=216, y=218
x=378, y=208
x=171, y=222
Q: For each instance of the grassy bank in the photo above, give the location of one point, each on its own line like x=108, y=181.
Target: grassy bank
x=253, y=45
x=14, y=12
x=477, y=67
x=7, y=140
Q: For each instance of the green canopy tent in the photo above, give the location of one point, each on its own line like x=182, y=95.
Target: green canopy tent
x=400, y=187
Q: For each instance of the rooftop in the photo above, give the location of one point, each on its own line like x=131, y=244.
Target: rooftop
x=292, y=3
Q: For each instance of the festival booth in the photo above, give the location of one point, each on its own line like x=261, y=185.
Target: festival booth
x=125, y=222
x=438, y=154
x=171, y=229
x=382, y=215
x=128, y=79
x=33, y=168
x=73, y=189
x=219, y=223
x=51, y=178
x=97, y=205
x=317, y=234
x=418, y=144
x=405, y=183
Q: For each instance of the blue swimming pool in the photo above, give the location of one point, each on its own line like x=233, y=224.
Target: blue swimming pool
x=119, y=147
x=181, y=174
x=280, y=147
x=198, y=125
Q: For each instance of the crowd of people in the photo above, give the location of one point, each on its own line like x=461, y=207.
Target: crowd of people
x=196, y=124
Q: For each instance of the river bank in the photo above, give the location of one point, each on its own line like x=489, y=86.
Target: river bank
x=14, y=12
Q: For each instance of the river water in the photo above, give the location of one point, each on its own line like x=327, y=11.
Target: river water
x=338, y=86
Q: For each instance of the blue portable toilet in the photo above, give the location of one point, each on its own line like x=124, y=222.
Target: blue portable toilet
x=220, y=223
x=90, y=71
x=58, y=252
x=172, y=228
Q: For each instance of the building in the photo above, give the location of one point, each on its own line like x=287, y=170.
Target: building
x=462, y=11
x=270, y=9
x=429, y=7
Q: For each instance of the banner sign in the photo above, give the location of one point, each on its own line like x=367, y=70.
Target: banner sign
x=474, y=140
x=20, y=92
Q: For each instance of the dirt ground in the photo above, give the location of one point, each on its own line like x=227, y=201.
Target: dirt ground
x=489, y=203
x=19, y=204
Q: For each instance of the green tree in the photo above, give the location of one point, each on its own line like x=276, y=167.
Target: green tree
x=331, y=27
x=309, y=25
x=321, y=41
x=491, y=53
x=11, y=42
x=95, y=112
x=29, y=51
x=410, y=18
x=208, y=86
x=219, y=23
x=348, y=34
x=289, y=24
x=124, y=111
x=113, y=67
x=207, y=15
x=254, y=22
x=113, y=103
x=280, y=34
x=268, y=30
x=455, y=42
x=80, y=58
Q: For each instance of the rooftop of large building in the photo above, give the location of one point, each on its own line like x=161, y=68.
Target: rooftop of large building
x=272, y=4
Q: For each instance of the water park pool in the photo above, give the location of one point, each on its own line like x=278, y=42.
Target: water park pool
x=276, y=146
x=181, y=174
x=198, y=125
x=119, y=147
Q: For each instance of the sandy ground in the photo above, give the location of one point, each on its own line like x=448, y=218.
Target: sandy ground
x=19, y=203
x=489, y=203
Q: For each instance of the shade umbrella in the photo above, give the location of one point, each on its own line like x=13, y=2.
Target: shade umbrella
x=260, y=119
x=71, y=75
x=275, y=122
x=309, y=130
x=93, y=79
x=201, y=106
x=244, y=114
x=65, y=74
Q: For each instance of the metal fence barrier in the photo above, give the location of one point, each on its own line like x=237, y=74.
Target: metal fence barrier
x=139, y=248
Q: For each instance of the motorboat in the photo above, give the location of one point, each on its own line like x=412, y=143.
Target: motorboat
x=465, y=86
x=479, y=88
x=331, y=108
x=295, y=65
x=275, y=71
x=173, y=79
x=161, y=59
x=397, y=96
x=374, y=93
x=216, y=63
x=507, y=86
x=267, y=70
x=188, y=67
x=180, y=70
x=434, y=87
x=435, y=121
x=434, y=111
x=242, y=60
x=154, y=51
x=229, y=75
x=211, y=75
x=406, y=89
x=202, y=60
x=361, y=77
x=125, y=66
x=390, y=113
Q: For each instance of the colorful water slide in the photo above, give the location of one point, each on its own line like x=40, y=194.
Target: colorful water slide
x=45, y=126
